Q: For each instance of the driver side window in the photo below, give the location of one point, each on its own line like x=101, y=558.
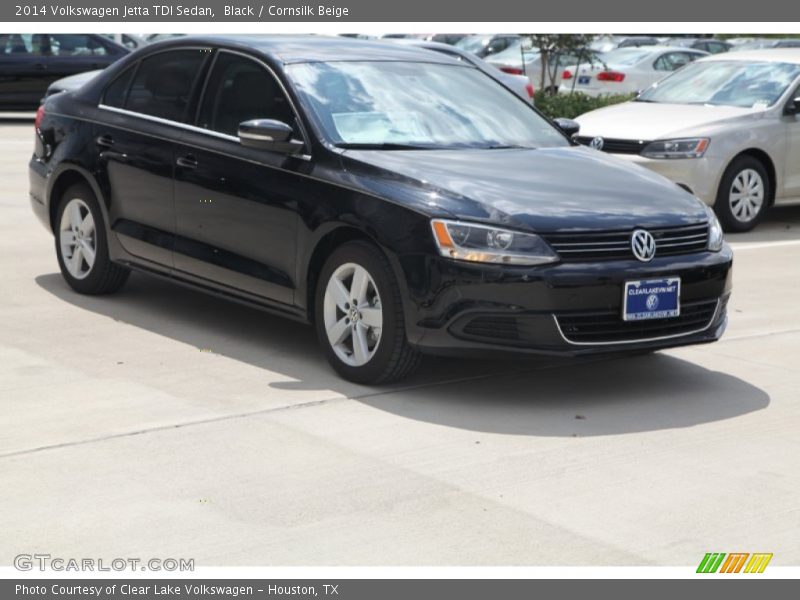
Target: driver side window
x=240, y=89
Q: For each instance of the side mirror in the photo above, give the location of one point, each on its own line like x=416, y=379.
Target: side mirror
x=568, y=126
x=792, y=107
x=268, y=134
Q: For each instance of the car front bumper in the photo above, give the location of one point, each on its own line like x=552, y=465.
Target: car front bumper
x=700, y=175
x=561, y=309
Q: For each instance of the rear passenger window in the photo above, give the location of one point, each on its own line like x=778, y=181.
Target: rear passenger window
x=117, y=92
x=238, y=90
x=163, y=84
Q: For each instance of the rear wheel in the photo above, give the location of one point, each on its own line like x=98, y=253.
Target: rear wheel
x=743, y=194
x=81, y=245
x=359, y=316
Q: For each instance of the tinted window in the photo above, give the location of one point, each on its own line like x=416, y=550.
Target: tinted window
x=22, y=44
x=69, y=44
x=117, y=92
x=163, y=84
x=238, y=90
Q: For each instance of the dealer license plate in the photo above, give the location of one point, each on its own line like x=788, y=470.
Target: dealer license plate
x=584, y=79
x=651, y=299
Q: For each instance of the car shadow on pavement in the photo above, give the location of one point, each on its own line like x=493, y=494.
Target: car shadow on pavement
x=530, y=396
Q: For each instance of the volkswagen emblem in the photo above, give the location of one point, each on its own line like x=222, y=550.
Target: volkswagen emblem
x=643, y=245
x=597, y=143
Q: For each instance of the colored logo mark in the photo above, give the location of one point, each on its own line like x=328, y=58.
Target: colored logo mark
x=735, y=562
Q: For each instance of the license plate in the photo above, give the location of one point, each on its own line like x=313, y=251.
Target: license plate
x=651, y=299
x=584, y=80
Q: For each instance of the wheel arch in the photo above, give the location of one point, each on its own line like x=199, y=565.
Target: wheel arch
x=65, y=177
x=766, y=160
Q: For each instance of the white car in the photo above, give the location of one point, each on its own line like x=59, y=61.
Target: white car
x=627, y=70
x=527, y=62
x=726, y=128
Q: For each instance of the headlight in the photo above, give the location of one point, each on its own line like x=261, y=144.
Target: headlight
x=715, y=237
x=480, y=243
x=688, y=148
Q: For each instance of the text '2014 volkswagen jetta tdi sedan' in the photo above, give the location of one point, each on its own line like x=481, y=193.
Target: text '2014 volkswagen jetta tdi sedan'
x=400, y=201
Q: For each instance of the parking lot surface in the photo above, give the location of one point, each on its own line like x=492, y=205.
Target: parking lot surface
x=163, y=422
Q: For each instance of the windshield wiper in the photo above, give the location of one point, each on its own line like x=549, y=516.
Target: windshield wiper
x=383, y=146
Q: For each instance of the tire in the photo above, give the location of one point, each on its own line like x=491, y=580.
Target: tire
x=743, y=195
x=355, y=346
x=79, y=224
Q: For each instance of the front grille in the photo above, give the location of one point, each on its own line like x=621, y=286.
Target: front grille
x=492, y=327
x=608, y=327
x=616, y=245
x=616, y=146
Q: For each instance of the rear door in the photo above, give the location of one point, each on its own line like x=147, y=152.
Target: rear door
x=145, y=110
x=792, y=164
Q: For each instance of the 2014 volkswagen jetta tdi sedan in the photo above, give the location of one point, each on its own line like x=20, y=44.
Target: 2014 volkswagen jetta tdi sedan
x=400, y=201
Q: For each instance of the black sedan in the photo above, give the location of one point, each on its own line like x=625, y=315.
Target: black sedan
x=401, y=201
x=29, y=63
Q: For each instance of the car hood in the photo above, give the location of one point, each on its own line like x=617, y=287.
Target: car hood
x=544, y=189
x=653, y=121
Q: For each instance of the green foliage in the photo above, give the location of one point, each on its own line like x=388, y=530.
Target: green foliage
x=572, y=105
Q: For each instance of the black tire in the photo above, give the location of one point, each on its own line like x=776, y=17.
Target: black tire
x=723, y=205
x=394, y=358
x=104, y=276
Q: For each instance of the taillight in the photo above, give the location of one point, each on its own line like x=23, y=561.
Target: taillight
x=566, y=74
x=611, y=76
x=529, y=89
x=511, y=70
x=37, y=123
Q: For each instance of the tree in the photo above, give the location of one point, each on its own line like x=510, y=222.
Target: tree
x=552, y=48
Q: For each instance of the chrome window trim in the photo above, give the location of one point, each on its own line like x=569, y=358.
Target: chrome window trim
x=195, y=129
x=642, y=340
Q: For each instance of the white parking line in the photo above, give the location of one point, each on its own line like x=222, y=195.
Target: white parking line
x=759, y=245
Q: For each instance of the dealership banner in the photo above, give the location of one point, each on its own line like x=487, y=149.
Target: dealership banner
x=390, y=589
x=254, y=11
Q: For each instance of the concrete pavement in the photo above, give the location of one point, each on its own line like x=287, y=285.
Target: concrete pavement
x=162, y=422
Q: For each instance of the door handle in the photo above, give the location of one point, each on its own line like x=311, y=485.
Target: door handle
x=40, y=67
x=104, y=141
x=187, y=161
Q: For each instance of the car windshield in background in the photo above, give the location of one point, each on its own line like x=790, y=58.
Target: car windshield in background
x=473, y=43
x=728, y=83
x=396, y=105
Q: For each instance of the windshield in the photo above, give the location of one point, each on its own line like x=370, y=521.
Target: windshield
x=727, y=83
x=399, y=104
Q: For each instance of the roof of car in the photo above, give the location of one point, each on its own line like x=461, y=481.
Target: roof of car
x=289, y=49
x=784, y=55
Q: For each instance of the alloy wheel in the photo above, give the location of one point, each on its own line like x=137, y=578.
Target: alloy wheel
x=77, y=238
x=353, y=314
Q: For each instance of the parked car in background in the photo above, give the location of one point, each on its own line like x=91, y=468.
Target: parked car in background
x=519, y=84
x=709, y=45
x=627, y=70
x=29, y=63
x=607, y=43
x=130, y=40
x=483, y=45
x=446, y=38
x=160, y=37
x=766, y=43
x=726, y=128
x=395, y=199
x=517, y=60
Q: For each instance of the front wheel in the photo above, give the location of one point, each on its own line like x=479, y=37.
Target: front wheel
x=359, y=316
x=743, y=194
